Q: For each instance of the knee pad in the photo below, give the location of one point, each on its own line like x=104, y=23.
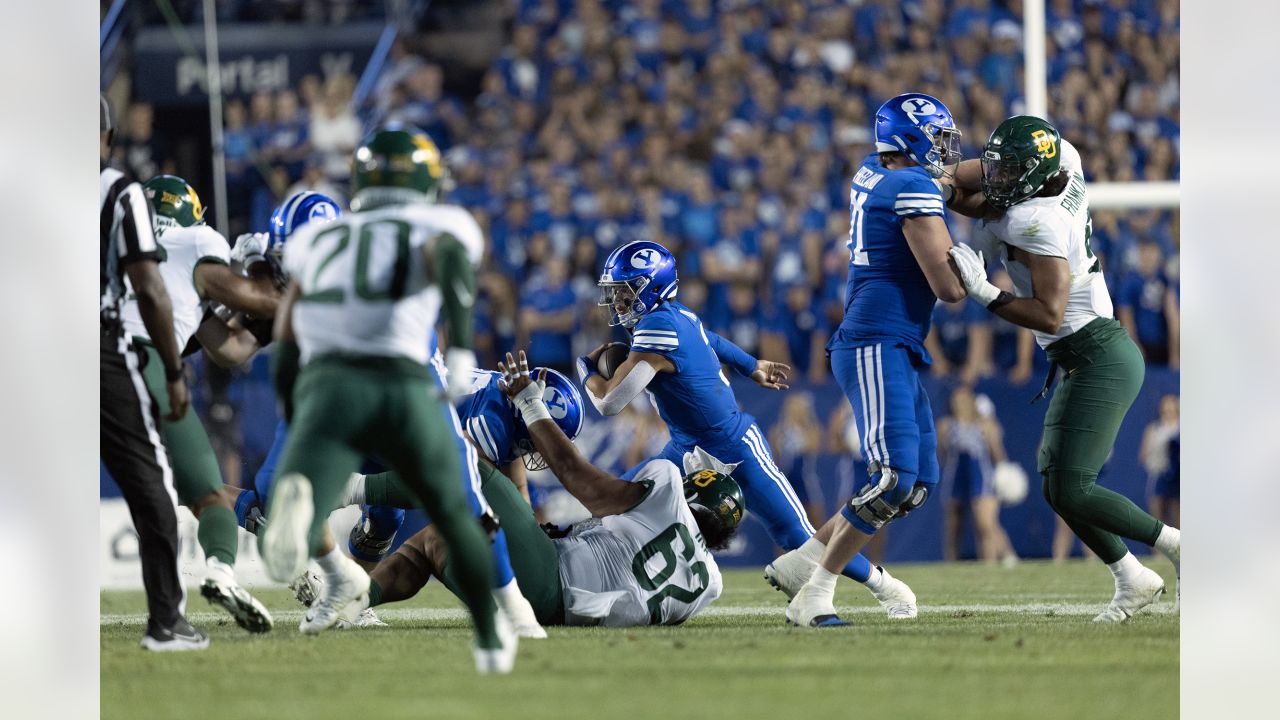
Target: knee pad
x=371, y=537
x=877, y=502
x=249, y=511
x=919, y=493
x=490, y=523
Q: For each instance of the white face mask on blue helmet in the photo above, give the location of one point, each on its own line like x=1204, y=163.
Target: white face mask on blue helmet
x=639, y=275
x=920, y=127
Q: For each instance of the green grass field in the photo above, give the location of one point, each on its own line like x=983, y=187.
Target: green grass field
x=989, y=643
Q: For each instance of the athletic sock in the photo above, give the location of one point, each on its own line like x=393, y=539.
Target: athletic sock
x=811, y=550
x=332, y=562
x=1170, y=544
x=386, y=489
x=354, y=494
x=1126, y=568
x=375, y=593
x=824, y=581
x=875, y=579
x=218, y=534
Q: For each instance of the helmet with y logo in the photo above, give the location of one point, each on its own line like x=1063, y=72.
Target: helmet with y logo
x=920, y=127
x=639, y=275
x=301, y=208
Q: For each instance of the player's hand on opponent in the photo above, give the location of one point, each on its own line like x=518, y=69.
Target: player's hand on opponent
x=523, y=390
x=772, y=375
x=973, y=274
x=250, y=249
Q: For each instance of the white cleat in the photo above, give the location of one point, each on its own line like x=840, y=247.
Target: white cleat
x=308, y=587
x=811, y=608
x=789, y=572
x=342, y=596
x=220, y=588
x=1132, y=596
x=285, y=541
x=500, y=659
x=895, y=597
x=366, y=619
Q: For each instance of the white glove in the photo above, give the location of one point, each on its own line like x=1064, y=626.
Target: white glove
x=250, y=249
x=973, y=273
x=460, y=363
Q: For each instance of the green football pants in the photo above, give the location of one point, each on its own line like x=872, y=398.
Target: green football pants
x=196, y=474
x=1104, y=374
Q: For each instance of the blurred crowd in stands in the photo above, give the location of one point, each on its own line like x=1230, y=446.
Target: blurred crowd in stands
x=726, y=130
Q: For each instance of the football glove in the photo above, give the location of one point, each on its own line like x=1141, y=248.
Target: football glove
x=973, y=274
x=250, y=249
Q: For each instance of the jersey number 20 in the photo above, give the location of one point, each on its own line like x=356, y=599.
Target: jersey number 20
x=398, y=230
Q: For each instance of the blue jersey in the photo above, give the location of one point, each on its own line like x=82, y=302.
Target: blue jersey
x=887, y=297
x=489, y=418
x=695, y=401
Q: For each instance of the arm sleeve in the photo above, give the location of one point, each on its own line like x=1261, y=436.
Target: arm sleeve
x=137, y=240
x=918, y=196
x=624, y=392
x=732, y=355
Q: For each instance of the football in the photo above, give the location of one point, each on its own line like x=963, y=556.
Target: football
x=614, y=354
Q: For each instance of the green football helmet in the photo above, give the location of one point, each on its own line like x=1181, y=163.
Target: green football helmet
x=174, y=201
x=394, y=166
x=716, y=492
x=1022, y=153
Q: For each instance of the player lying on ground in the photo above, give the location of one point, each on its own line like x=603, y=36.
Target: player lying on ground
x=1028, y=191
x=371, y=538
x=677, y=360
x=366, y=295
x=642, y=559
x=197, y=274
x=898, y=270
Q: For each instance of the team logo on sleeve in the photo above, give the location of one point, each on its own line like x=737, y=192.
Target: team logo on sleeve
x=555, y=402
x=645, y=259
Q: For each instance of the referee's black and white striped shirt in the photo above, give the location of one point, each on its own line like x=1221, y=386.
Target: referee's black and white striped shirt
x=126, y=237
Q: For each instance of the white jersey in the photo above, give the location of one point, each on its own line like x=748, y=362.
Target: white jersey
x=363, y=281
x=648, y=566
x=1058, y=227
x=185, y=248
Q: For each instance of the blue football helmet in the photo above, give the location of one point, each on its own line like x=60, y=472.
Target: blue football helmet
x=638, y=276
x=300, y=209
x=920, y=127
x=565, y=405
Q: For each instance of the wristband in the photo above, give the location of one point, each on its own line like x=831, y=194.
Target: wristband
x=529, y=402
x=585, y=369
x=1004, y=298
x=172, y=375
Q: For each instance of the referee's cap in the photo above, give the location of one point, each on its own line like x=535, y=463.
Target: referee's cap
x=104, y=114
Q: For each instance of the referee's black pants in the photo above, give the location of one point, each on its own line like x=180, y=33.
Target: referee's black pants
x=134, y=455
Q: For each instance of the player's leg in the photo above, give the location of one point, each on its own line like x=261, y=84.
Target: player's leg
x=1081, y=426
x=251, y=502
x=336, y=405
x=198, y=481
x=417, y=441
x=883, y=387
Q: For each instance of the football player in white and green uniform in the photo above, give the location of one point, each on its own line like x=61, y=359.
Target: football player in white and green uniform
x=196, y=274
x=644, y=557
x=1029, y=192
x=366, y=294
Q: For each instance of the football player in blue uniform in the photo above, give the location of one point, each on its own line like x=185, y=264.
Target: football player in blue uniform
x=678, y=361
x=899, y=268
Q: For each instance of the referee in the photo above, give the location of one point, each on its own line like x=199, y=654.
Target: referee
x=130, y=444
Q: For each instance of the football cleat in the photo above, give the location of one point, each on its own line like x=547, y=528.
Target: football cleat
x=306, y=588
x=177, y=638
x=812, y=608
x=366, y=619
x=285, y=542
x=500, y=659
x=342, y=596
x=789, y=572
x=895, y=597
x=220, y=588
x=1132, y=596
